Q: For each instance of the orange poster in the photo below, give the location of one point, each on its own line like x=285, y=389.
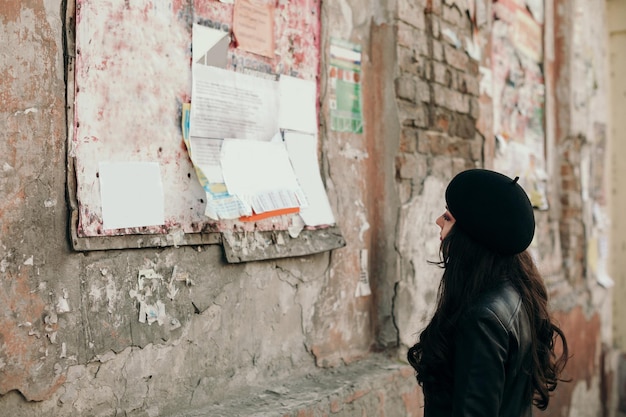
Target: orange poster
x=253, y=26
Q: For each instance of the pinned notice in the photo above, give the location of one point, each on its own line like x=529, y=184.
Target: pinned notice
x=302, y=149
x=344, y=75
x=253, y=26
x=226, y=104
x=261, y=175
x=298, y=104
x=363, y=288
x=132, y=194
x=210, y=46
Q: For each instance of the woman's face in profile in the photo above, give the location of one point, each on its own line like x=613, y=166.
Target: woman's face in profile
x=445, y=223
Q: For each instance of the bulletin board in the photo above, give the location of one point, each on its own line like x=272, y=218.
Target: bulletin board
x=131, y=176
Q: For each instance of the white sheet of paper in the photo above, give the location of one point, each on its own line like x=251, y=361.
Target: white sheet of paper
x=225, y=207
x=209, y=46
x=205, y=154
x=132, y=194
x=260, y=174
x=363, y=288
x=228, y=104
x=298, y=104
x=302, y=149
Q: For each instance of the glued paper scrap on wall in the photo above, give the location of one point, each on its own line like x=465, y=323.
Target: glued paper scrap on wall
x=253, y=26
x=302, y=149
x=205, y=155
x=596, y=255
x=515, y=159
x=528, y=36
x=149, y=313
x=226, y=104
x=482, y=12
x=146, y=275
x=298, y=104
x=150, y=309
x=209, y=46
x=261, y=175
x=223, y=205
x=486, y=81
x=132, y=194
x=345, y=87
x=363, y=288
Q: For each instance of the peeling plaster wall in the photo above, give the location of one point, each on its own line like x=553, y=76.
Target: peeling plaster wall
x=127, y=331
x=216, y=347
x=32, y=208
x=574, y=254
x=417, y=291
x=221, y=330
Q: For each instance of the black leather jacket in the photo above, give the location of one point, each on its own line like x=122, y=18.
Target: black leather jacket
x=492, y=361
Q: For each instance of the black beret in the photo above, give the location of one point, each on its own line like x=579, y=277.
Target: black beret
x=492, y=209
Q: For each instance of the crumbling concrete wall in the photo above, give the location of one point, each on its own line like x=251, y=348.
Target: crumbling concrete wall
x=578, y=73
x=616, y=13
x=446, y=120
x=34, y=266
x=72, y=340
x=291, y=335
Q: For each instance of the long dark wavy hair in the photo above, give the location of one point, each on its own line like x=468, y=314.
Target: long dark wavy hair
x=471, y=269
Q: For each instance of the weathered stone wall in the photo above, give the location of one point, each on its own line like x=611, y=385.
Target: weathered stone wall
x=290, y=337
x=616, y=15
x=617, y=25
x=446, y=127
x=578, y=65
x=33, y=214
x=72, y=343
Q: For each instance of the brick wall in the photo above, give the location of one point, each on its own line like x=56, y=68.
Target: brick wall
x=437, y=90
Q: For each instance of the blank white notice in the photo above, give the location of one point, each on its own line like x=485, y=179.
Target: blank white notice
x=132, y=194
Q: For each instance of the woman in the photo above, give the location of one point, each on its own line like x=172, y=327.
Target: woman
x=489, y=349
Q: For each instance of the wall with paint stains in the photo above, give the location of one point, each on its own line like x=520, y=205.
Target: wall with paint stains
x=128, y=330
x=451, y=112
x=33, y=213
x=175, y=330
x=616, y=13
x=578, y=69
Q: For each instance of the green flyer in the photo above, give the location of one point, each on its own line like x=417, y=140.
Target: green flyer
x=345, y=87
